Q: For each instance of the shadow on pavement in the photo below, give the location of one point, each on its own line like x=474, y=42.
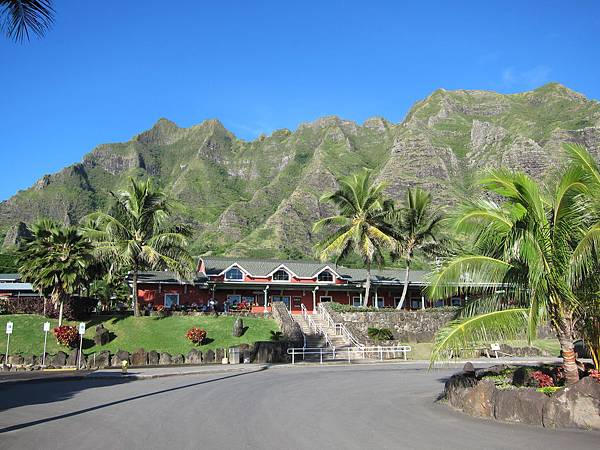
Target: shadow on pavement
x=71, y=388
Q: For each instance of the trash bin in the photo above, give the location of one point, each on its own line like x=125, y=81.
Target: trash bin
x=234, y=355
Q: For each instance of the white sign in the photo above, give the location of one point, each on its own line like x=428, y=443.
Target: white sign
x=9, y=327
x=82, y=328
x=46, y=326
x=495, y=347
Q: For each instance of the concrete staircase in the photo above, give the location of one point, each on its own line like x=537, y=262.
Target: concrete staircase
x=316, y=340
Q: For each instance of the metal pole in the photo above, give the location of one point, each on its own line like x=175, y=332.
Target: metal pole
x=293, y=356
x=321, y=353
x=79, y=356
x=7, y=343
x=44, y=354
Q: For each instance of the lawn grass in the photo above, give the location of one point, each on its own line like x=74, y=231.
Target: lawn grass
x=131, y=333
x=422, y=350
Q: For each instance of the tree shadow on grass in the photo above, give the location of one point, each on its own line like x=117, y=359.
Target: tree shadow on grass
x=31, y=392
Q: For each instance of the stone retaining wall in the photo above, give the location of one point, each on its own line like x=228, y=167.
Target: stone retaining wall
x=289, y=328
x=407, y=326
x=575, y=406
x=258, y=352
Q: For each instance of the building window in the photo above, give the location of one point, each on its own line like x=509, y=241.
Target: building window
x=356, y=301
x=455, y=301
x=380, y=302
x=234, y=274
x=415, y=303
x=171, y=300
x=233, y=299
x=325, y=276
x=325, y=298
x=281, y=275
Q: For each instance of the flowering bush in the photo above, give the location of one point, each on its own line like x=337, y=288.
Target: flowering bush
x=595, y=374
x=196, y=335
x=66, y=335
x=542, y=379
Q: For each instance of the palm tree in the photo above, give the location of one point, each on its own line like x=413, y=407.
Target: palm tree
x=20, y=17
x=415, y=227
x=55, y=259
x=531, y=255
x=138, y=234
x=360, y=225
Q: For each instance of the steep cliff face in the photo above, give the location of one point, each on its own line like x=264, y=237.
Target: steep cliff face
x=260, y=198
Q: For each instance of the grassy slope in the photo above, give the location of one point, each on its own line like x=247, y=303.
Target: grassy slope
x=167, y=334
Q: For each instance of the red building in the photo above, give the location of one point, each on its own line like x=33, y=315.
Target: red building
x=259, y=282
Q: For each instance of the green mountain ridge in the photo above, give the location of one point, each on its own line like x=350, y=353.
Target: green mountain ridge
x=260, y=197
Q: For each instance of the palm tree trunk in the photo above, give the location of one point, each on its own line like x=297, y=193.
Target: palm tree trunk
x=565, y=338
x=136, y=311
x=405, y=288
x=367, y=286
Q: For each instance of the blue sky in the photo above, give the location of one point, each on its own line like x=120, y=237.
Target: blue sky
x=108, y=70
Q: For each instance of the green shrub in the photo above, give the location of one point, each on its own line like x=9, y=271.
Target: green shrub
x=380, y=334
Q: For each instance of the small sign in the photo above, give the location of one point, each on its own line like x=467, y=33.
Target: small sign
x=495, y=347
x=9, y=327
x=46, y=326
x=82, y=328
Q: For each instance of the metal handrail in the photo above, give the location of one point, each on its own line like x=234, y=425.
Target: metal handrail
x=389, y=352
x=340, y=328
x=315, y=327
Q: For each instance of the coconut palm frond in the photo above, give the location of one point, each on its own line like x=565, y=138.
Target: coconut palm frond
x=471, y=273
x=464, y=333
x=20, y=18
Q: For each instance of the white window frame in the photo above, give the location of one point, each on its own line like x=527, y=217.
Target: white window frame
x=325, y=296
x=237, y=280
x=378, y=299
x=326, y=281
x=176, y=294
x=289, y=278
x=354, y=300
x=397, y=301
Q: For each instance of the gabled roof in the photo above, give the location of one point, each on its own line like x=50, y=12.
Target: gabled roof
x=262, y=268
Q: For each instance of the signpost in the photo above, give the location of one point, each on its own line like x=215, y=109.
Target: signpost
x=81, y=333
x=9, y=330
x=46, y=329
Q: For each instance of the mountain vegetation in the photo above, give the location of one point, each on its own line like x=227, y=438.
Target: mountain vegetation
x=260, y=198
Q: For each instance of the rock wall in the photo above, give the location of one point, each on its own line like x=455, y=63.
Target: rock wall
x=575, y=406
x=407, y=326
x=290, y=329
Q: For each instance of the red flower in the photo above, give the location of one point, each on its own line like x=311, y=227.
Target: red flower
x=595, y=374
x=66, y=335
x=542, y=379
x=196, y=335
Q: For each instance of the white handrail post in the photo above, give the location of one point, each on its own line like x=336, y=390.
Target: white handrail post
x=380, y=354
x=321, y=353
x=293, y=356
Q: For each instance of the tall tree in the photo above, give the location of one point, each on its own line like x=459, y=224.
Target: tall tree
x=55, y=259
x=139, y=234
x=415, y=226
x=531, y=255
x=360, y=225
x=20, y=18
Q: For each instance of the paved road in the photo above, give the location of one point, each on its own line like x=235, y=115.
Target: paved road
x=366, y=407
